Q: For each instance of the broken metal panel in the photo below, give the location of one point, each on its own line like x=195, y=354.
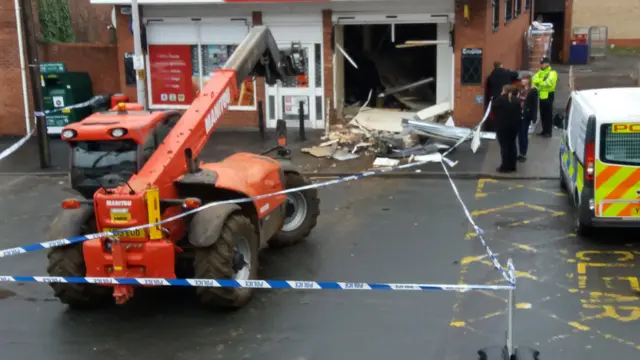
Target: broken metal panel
x=448, y=134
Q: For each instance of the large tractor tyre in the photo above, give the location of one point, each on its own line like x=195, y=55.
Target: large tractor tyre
x=68, y=261
x=234, y=255
x=301, y=214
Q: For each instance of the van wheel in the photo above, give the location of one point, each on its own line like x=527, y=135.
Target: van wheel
x=581, y=228
x=563, y=185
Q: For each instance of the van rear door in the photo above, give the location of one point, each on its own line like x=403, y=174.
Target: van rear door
x=617, y=172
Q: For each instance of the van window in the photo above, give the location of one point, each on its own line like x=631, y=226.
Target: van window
x=619, y=147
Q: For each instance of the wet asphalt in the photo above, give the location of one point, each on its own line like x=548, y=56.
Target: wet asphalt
x=572, y=304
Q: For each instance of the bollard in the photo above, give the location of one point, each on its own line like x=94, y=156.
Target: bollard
x=303, y=137
x=261, y=125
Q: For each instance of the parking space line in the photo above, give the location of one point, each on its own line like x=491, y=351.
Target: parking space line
x=481, y=193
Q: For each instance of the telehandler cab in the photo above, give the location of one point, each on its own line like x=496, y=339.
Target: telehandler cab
x=131, y=167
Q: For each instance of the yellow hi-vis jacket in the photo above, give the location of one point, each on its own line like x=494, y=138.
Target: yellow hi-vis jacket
x=545, y=80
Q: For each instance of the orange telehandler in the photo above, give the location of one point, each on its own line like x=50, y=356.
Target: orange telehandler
x=131, y=167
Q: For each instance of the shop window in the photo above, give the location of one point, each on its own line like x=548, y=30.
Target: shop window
x=302, y=80
x=508, y=10
x=213, y=58
x=175, y=76
x=319, y=107
x=291, y=107
x=527, y=4
x=495, y=20
x=517, y=8
x=318, y=55
x=272, y=107
x=157, y=136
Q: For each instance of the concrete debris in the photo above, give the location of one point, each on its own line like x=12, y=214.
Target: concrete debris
x=385, y=162
x=381, y=119
x=319, y=151
x=342, y=155
x=431, y=112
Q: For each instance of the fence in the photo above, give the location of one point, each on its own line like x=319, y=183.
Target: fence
x=598, y=41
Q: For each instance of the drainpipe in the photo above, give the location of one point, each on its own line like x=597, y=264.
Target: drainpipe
x=23, y=68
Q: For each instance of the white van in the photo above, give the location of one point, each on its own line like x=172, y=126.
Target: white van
x=600, y=157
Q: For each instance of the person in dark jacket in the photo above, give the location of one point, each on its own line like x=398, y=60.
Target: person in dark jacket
x=508, y=117
x=498, y=78
x=529, y=103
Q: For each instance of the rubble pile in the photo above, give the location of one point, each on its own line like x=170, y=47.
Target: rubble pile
x=376, y=133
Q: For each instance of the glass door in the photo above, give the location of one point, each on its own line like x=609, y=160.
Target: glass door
x=284, y=100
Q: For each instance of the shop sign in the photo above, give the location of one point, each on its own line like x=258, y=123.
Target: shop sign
x=171, y=74
x=52, y=68
x=292, y=104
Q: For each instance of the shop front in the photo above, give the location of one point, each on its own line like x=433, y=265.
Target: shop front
x=182, y=55
x=349, y=47
x=284, y=100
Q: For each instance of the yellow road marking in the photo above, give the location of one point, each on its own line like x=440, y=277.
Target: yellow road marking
x=495, y=209
x=525, y=247
x=624, y=255
x=579, y=326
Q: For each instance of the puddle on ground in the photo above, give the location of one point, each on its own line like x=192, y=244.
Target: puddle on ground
x=4, y=294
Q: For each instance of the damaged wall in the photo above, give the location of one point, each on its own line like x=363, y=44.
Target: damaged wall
x=338, y=69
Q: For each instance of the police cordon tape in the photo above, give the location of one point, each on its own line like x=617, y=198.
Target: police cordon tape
x=507, y=274
x=11, y=149
x=93, y=100
x=254, y=284
x=61, y=242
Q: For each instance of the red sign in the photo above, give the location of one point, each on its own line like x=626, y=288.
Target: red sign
x=170, y=71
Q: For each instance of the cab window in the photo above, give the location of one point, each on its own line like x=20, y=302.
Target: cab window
x=619, y=146
x=158, y=135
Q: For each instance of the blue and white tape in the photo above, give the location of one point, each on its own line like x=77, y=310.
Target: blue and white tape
x=11, y=149
x=254, y=284
x=425, y=159
x=494, y=259
x=61, y=242
x=89, y=102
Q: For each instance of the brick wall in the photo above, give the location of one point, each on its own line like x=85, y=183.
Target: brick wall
x=11, y=102
x=505, y=45
x=327, y=61
x=471, y=35
x=99, y=60
x=90, y=22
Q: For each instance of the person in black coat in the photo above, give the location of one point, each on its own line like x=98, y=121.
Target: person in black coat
x=508, y=117
x=529, y=102
x=498, y=78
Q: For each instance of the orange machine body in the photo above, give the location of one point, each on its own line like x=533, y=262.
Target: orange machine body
x=242, y=174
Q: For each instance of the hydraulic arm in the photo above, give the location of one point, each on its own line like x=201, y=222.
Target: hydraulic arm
x=257, y=55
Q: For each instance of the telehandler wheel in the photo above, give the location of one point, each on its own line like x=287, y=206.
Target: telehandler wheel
x=233, y=256
x=303, y=208
x=69, y=261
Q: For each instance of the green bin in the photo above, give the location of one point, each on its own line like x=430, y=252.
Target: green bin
x=61, y=89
